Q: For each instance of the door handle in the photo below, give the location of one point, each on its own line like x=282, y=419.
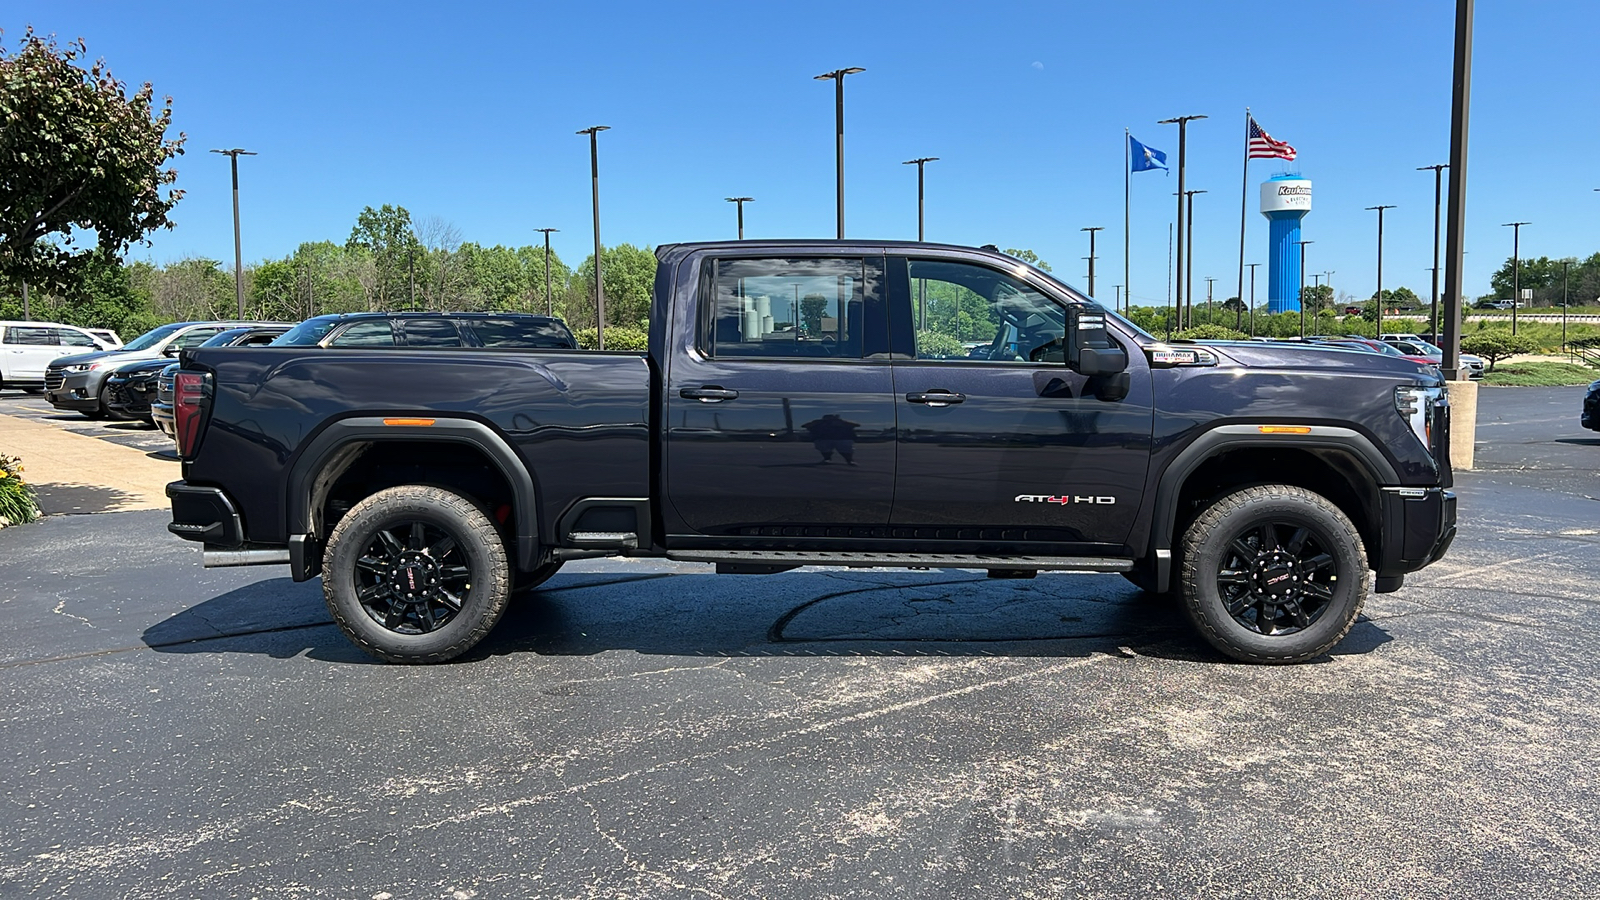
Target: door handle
x=935, y=398
x=708, y=394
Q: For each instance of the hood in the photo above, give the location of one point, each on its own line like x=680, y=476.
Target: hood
x=155, y=364
x=1259, y=354
x=113, y=355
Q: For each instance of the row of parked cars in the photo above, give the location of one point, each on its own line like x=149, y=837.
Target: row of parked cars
x=134, y=381
x=1410, y=346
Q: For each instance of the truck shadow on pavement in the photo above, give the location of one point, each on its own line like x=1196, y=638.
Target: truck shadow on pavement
x=940, y=613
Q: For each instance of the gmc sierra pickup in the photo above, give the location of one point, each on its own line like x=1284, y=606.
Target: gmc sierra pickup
x=835, y=403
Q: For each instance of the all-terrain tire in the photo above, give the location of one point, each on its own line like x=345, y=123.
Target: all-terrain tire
x=416, y=574
x=1273, y=574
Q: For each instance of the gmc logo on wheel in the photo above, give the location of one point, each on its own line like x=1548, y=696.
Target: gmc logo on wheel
x=1064, y=499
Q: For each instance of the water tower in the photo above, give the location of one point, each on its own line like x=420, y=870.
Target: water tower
x=1285, y=200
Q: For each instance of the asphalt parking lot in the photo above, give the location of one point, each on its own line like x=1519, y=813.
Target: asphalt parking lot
x=642, y=729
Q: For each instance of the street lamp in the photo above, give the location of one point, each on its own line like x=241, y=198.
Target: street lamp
x=1091, y=254
x=837, y=77
x=919, y=162
x=1210, y=282
x=549, y=301
x=599, y=286
x=741, y=201
x=1516, y=266
x=1302, y=301
x=1456, y=210
x=1187, y=285
x=1183, y=132
x=1438, y=171
x=238, y=256
x=1379, y=296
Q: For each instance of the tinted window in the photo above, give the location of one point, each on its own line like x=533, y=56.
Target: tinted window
x=790, y=307
x=431, y=333
x=73, y=338
x=152, y=337
x=32, y=336
x=523, y=333
x=259, y=339
x=372, y=333
x=973, y=312
x=308, y=333
x=194, y=338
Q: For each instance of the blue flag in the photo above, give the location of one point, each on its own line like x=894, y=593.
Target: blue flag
x=1143, y=159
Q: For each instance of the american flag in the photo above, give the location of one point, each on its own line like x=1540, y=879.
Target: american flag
x=1263, y=146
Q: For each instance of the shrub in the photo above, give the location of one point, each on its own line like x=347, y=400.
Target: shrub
x=933, y=344
x=1210, y=333
x=17, y=504
x=1496, y=344
x=618, y=337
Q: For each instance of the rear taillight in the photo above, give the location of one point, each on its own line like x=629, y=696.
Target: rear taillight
x=191, y=395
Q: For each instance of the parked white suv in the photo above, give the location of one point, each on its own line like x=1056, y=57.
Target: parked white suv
x=28, y=348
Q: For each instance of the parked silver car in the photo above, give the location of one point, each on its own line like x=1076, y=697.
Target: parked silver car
x=79, y=382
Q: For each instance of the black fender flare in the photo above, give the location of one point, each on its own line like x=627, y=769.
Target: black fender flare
x=1232, y=437
x=311, y=461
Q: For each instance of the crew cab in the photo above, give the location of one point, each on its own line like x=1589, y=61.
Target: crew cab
x=835, y=403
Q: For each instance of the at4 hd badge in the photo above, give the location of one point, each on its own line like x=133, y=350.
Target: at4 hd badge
x=1064, y=499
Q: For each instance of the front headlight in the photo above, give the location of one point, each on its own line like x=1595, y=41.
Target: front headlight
x=1418, y=406
x=87, y=367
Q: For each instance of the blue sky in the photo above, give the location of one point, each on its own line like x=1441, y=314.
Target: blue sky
x=468, y=111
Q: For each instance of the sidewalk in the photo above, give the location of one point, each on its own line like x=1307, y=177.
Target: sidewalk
x=73, y=474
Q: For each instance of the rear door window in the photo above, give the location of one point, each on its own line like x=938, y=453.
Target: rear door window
x=527, y=334
x=72, y=338
x=431, y=333
x=788, y=308
x=373, y=333
x=32, y=336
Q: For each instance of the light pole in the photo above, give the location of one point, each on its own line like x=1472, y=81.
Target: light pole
x=741, y=201
x=1253, y=298
x=1209, y=283
x=1091, y=254
x=1438, y=172
x=238, y=255
x=1302, y=301
x=1183, y=133
x=920, y=162
x=1565, y=264
x=1379, y=296
x=27, y=311
x=549, y=300
x=1188, y=265
x=1116, y=297
x=1456, y=212
x=1516, y=269
x=599, y=286
x=837, y=77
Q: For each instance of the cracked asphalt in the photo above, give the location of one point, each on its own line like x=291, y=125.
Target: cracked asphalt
x=643, y=729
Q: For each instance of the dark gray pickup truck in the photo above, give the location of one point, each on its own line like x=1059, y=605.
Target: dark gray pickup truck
x=826, y=403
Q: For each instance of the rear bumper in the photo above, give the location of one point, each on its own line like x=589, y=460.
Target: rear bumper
x=204, y=514
x=1419, y=525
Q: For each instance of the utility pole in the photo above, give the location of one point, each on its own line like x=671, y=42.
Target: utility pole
x=549, y=299
x=1188, y=265
x=922, y=208
x=1565, y=264
x=1209, y=283
x=599, y=284
x=1116, y=297
x=1183, y=133
x=1091, y=254
x=1516, y=269
x=27, y=311
x=1302, y=301
x=1253, y=298
x=837, y=77
x=1438, y=172
x=741, y=201
x=238, y=255
x=411, y=274
x=1379, y=296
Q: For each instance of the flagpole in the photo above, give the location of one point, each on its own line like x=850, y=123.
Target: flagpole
x=1127, y=217
x=1244, y=199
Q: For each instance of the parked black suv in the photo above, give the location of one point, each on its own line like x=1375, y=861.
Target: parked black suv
x=438, y=330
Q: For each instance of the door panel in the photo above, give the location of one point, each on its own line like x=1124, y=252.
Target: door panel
x=781, y=424
x=1030, y=452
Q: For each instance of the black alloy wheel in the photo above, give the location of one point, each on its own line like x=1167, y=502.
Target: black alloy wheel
x=416, y=574
x=412, y=578
x=1273, y=574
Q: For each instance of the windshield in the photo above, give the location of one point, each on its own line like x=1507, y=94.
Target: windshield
x=151, y=338
x=307, y=333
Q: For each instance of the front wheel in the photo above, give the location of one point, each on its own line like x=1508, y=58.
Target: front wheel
x=416, y=574
x=1273, y=574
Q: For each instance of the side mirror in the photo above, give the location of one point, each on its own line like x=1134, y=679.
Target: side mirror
x=172, y=350
x=1090, y=348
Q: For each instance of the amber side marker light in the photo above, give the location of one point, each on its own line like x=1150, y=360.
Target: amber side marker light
x=1284, y=429
x=408, y=421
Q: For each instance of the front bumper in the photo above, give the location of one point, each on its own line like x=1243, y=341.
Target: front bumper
x=1591, y=412
x=78, y=391
x=1419, y=525
x=161, y=414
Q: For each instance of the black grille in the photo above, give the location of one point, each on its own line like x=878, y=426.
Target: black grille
x=54, y=378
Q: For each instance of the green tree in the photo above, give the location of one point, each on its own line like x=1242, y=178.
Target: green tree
x=385, y=233
x=1031, y=258
x=630, y=274
x=532, y=259
x=1495, y=344
x=77, y=153
x=1317, y=296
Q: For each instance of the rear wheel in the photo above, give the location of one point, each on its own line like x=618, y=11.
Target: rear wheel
x=1273, y=574
x=416, y=574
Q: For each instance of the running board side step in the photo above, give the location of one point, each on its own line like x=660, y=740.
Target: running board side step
x=767, y=562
